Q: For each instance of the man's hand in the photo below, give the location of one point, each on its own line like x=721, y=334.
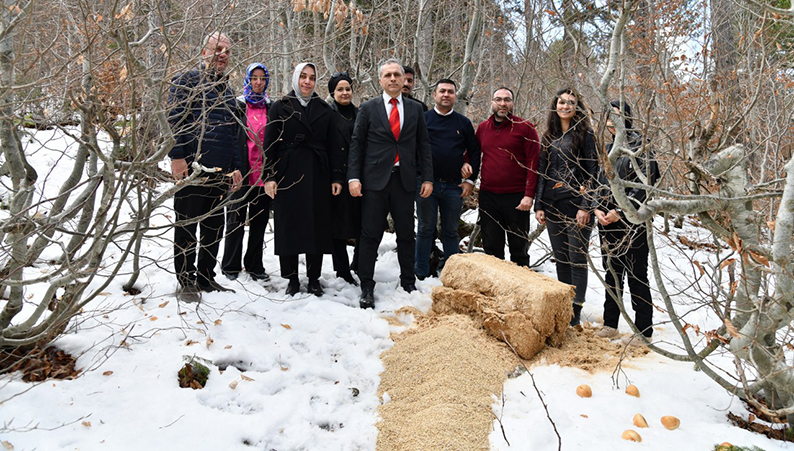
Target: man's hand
x=467, y=189
x=270, y=189
x=237, y=180
x=582, y=218
x=354, y=188
x=466, y=170
x=179, y=168
x=336, y=189
x=525, y=204
x=540, y=216
x=601, y=217
x=426, y=191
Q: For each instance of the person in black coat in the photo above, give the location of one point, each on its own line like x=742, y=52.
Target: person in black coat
x=624, y=246
x=345, y=209
x=302, y=152
x=201, y=113
x=389, y=150
x=567, y=172
x=251, y=199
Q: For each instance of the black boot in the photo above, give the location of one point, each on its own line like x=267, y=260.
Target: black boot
x=577, y=311
x=315, y=288
x=293, y=287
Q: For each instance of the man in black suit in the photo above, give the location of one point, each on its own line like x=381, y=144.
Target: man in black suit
x=388, y=151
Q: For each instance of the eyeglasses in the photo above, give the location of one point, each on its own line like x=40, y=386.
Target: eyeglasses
x=502, y=100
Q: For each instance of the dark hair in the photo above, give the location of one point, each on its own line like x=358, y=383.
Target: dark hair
x=505, y=88
x=408, y=70
x=580, y=123
x=447, y=81
x=625, y=108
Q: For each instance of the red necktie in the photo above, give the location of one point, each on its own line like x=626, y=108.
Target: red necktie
x=394, y=123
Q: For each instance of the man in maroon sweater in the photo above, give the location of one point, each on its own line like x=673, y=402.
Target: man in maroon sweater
x=510, y=152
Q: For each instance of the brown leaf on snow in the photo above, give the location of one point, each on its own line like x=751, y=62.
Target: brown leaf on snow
x=107, y=373
x=284, y=368
x=233, y=385
x=86, y=424
x=164, y=304
x=246, y=378
x=286, y=326
x=154, y=318
x=190, y=342
x=104, y=293
x=227, y=347
x=218, y=322
x=210, y=341
x=7, y=445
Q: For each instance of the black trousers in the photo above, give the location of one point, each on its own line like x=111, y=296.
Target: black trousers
x=624, y=250
x=253, y=203
x=342, y=264
x=375, y=205
x=193, y=206
x=498, y=215
x=569, y=245
x=289, y=266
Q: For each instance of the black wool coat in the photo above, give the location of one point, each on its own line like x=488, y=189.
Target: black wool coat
x=302, y=148
x=345, y=209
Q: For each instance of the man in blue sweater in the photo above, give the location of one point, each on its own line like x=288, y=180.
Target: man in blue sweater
x=453, y=144
x=202, y=114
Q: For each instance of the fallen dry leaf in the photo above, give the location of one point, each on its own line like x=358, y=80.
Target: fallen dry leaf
x=284, y=368
x=104, y=293
x=86, y=424
x=218, y=322
x=7, y=445
x=584, y=416
x=154, y=318
x=107, y=373
x=227, y=347
x=233, y=385
x=246, y=378
x=210, y=341
x=286, y=326
x=190, y=342
x=164, y=304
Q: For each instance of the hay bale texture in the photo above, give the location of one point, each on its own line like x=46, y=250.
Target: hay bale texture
x=531, y=309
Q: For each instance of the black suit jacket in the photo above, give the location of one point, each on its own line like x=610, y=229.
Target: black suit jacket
x=373, y=147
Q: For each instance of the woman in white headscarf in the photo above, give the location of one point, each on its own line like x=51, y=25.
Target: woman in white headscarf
x=302, y=149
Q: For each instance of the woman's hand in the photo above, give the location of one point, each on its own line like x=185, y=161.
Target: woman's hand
x=336, y=189
x=582, y=218
x=540, y=215
x=601, y=217
x=270, y=189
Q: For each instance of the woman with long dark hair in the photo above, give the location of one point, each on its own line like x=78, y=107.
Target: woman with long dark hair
x=302, y=149
x=251, y=198
x=624, y=246
x=567, y=173
x=345, y=209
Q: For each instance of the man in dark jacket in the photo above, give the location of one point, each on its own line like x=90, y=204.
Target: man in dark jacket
x=202, y=117
x=452, y=142
x=388, y=151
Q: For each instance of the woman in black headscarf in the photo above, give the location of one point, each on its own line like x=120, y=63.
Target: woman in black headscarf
x=345, y=209
x=624, y=246
x=302, y=152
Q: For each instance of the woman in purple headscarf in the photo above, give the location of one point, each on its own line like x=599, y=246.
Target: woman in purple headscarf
x=254, y=105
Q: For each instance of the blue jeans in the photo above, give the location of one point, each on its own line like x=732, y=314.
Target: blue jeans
x=445, y=198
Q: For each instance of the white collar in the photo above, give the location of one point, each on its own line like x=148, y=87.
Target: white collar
x=435, y=108
x=387, y=98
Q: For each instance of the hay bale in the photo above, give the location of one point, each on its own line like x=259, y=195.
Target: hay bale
x=531, y=309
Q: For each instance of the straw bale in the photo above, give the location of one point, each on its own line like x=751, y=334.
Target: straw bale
x=531, y=309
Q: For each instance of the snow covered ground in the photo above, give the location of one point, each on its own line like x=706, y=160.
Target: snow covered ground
x=302, y=374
